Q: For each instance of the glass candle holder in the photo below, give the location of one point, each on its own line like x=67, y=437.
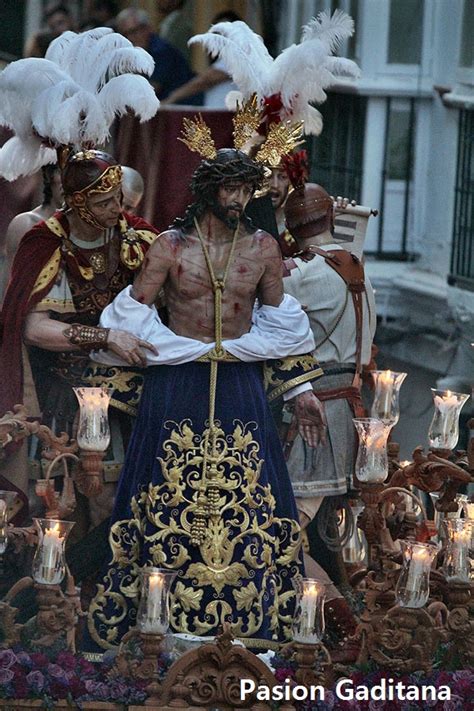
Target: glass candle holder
x=440, y=517
x=308, y=624
x=413, y=585
x=457, y=565
x=7, y=499
x=372, y=462
x=49, y=562
x=468, y=510
x=355, y=550
x=444, y=428
x=386, y=406
x=93, y=434
x=153, y=610
x=467, y=506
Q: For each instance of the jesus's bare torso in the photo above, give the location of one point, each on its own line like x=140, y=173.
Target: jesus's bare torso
x=176, y=262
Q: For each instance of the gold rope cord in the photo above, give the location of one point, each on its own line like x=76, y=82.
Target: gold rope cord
x=208, y=497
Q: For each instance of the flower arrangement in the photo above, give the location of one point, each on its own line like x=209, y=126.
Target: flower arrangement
x=460, y=682
x=69, y=677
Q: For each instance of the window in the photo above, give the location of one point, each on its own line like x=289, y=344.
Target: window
x=398, y=148
x=466, y=57
x=405, y=32
x=462, y=258
x=336, y=155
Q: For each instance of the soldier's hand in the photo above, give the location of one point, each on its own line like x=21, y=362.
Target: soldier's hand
x=311, y=418
x=129, y=348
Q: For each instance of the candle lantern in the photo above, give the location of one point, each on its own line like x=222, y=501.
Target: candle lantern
x=386, y=405
x=413, y=586
x=456, y=564
x=7, y=500
x=49, y=562
x=441, y=516
x=372, y=462
x=355, y=550
x=444, y=428
x=153, y=610
x=467, y=506
x=468, y=510
x=308, y=624
x=93, y=434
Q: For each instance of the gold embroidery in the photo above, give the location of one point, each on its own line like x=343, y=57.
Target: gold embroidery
x=299, y=380
x=162, y=517
x=48, y=272
x=276, y=386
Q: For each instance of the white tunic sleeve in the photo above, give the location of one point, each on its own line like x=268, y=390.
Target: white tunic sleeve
x=276, y=332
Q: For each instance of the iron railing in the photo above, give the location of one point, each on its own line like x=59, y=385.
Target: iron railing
x=462, y=254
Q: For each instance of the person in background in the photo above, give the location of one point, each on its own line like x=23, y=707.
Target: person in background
x=57, y=19
x=279, y=190
x=102, y=14
x=133, y=188
x=176, y=26
x=214, y=82
x=171, y=68
x=52, y=201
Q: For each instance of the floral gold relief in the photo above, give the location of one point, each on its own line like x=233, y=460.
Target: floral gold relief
x=231, y=576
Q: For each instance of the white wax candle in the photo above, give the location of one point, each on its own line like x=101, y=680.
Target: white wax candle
x=419, y=560
x=386, y=385
x=52, y=543
x=308, y=608
x=447, y=404
x=460, y=556
x=153, y=621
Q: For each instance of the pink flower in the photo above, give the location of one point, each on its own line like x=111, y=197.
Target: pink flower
x=39, y=659
x=6, y=675
x=66, y=660
x=7, y=658
x=57, y=673
x=455, y=703
x=35, y=680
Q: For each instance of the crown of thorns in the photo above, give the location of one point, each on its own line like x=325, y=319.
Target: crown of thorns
x=227, y=166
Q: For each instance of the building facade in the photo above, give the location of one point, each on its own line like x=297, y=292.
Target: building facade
x=400, y=140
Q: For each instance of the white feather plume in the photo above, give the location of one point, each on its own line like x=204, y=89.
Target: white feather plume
x=330, y=30
x=127, y=92
x=23, y=156
x=71, y=96
x=243, y=53
x=300, y=74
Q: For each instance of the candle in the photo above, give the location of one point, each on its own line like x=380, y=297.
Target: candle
x=310, y=627
x=52, y=544
x=3, y=526
x=386, y=384
x=413, y=585
x=93, y=432
x=153, y=623
x=460, y=556
x=419, y=560
x=444, y=428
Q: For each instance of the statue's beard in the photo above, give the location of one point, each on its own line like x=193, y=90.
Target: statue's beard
x=222, y=214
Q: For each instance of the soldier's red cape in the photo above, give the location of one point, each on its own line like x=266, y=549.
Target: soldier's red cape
x=35, y=250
